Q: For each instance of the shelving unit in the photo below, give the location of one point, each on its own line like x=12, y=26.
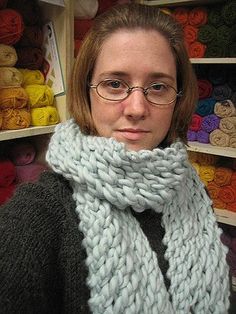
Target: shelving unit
x=222, y=215
x=62, y=17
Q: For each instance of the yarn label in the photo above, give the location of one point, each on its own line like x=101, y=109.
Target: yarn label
x=52, y=67
x=55, y=2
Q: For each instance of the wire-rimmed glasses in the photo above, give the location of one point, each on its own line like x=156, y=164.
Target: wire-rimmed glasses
x=158, y=93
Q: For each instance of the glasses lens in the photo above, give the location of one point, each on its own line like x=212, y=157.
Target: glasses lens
x=161, y=94
x=112, y=89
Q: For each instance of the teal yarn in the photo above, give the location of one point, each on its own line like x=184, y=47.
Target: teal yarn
x=124, y=276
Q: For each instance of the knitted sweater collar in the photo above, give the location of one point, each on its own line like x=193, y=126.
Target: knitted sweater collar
x=124, y=276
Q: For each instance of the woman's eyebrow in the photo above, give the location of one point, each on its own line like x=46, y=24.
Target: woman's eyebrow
x=122, y=74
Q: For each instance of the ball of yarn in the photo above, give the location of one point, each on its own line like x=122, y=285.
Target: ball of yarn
x=8, y=55
x=85, y=9
x=31, y=37
x=44, y=116
x=10, y=77
x=21, y=153
x=15, y=97
x=31, y=77
x=39, y=95
x=30, y=10
x=229, y=13
x=14, y=119
x=30, y=58
x=7, y=173
x=11, y=26
x=30, y=172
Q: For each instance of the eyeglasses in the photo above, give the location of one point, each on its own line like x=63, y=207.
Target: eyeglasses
x=159, y=94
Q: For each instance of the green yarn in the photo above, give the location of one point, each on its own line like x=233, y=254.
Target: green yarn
x=216, y=50
x=124, y=276
x=206, y=33
x=215, y=17
x=229, y=13
x=223, y=34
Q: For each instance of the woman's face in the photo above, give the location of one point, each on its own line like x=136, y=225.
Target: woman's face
x=139, y=58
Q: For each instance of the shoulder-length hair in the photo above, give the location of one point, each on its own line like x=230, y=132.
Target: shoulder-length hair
x=133, y=16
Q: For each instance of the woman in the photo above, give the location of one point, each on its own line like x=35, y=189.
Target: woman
x=123, y=224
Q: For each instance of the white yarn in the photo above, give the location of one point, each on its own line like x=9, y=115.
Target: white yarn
x=124, y=276
x=85, y=9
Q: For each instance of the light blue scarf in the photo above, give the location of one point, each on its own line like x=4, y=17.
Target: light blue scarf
x=124, y=276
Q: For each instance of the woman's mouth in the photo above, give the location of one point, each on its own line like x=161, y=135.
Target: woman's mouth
x=133, y=134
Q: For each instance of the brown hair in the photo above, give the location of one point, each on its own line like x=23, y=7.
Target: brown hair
x=133, y=16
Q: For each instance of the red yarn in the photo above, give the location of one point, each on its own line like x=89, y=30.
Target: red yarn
x=7, y=173
x=11, y=26
x=81, y=27
x=104, y=5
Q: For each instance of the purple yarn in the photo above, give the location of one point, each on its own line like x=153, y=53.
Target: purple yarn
x=210, y=123
x=191, y=136
x=203, y=137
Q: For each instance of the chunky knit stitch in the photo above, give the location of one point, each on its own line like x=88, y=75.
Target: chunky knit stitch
x=124, y=276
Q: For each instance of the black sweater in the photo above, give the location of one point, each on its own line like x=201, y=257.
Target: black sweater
x=42, y=260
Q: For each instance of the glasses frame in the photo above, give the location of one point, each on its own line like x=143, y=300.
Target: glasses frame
x=130, y=89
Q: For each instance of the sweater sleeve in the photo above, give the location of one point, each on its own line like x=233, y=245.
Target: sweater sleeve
x=31, y=229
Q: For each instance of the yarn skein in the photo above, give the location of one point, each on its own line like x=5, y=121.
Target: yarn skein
x=8, y=55
x=10, y=77
x=11, y=26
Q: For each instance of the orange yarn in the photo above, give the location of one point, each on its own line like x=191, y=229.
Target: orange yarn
x=14, y=119
x=181, y=15
x=217, y=203
x=223, y=176
x=15, y=97
x=198, y=16
x=231, y=207
x=11, y=26
x=213, y=189
x=227, y=194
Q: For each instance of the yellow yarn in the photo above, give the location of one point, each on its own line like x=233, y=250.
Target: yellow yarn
x=196, y=166
x=10, y=77
x=14, y=97
x=39, y=95
x=207, y=173
x=44, y=116
x=31, y=77
x=8, y=55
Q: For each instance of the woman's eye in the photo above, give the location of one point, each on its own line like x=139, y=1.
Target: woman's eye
x=159, y=87
x=114, y=84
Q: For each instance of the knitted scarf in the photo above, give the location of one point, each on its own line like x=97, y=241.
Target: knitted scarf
x=124, y=276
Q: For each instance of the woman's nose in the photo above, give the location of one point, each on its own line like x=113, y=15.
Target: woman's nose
x=136, y=105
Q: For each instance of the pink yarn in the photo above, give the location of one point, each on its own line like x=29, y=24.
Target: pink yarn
x=30, y=172
x=22, y=153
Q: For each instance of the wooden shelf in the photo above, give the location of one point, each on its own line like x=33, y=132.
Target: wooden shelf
x=210, y=149
x=225, y=216
x=213, y=60
x=176, y=2
x=32, y=131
